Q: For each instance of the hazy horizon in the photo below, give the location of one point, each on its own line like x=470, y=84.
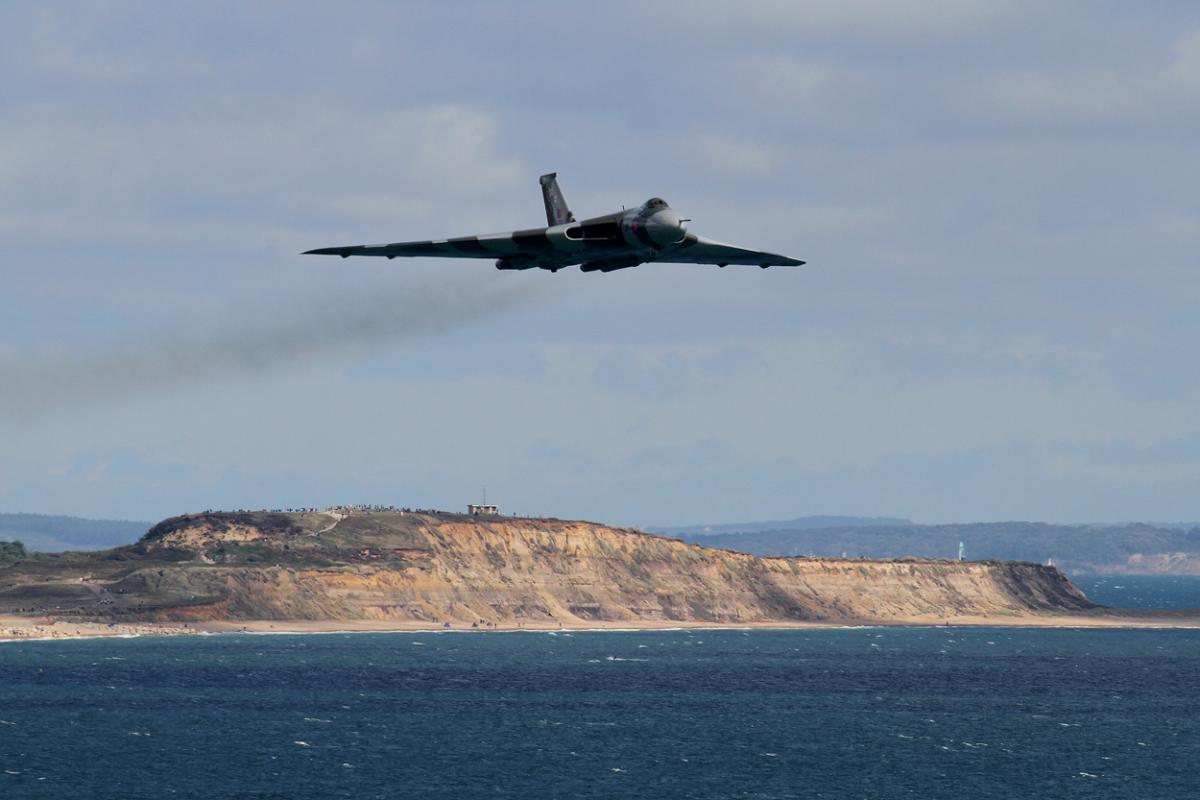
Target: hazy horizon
x=856, y=520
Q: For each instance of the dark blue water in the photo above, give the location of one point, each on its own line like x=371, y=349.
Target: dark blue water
x=853, y=713
x=1142, y=591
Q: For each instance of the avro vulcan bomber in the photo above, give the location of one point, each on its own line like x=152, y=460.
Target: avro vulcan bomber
x=651, y=232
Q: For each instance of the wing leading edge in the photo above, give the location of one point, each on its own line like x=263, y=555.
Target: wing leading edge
x=496, y=245
x=698, y=250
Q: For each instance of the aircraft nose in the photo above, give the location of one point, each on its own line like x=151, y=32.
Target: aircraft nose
x=666, y=227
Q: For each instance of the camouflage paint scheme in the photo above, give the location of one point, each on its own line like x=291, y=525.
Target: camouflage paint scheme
x=651, y=232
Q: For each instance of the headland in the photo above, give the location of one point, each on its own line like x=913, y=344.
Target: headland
x=399, y=569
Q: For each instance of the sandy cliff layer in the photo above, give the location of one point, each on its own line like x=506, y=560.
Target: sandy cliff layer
x=437, y=569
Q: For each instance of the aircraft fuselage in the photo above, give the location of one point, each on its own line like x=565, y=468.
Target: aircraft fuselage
x=606, y=243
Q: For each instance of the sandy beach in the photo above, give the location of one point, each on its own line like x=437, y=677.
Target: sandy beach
x=14, y=628
x=1031, y=621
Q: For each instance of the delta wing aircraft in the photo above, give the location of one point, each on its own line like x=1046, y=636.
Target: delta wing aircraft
x=652, y=232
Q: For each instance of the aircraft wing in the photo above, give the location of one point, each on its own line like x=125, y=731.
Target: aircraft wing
x=698, y=250
x=532, y=243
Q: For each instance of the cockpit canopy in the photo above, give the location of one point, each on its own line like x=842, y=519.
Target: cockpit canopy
x=656, y=202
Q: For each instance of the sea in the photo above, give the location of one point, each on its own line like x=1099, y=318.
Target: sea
x=1164, y=592
x=962, y=713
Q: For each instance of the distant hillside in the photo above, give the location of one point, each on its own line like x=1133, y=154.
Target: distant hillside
x=801, y=523
x=49, y=533
x=1132, y=548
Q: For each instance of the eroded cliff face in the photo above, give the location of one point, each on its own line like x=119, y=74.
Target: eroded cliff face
x=464, y=571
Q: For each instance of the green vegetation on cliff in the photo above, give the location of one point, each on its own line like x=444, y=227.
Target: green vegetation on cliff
x=11, y=551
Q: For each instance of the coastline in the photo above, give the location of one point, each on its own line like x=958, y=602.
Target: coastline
x=295, y=572
x=19, y=629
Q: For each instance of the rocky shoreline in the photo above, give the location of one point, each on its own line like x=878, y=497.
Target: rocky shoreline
x=21, y=629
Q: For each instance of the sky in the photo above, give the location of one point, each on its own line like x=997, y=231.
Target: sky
x=997, y=203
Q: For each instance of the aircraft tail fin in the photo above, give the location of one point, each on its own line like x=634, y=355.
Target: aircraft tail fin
x=557, y=212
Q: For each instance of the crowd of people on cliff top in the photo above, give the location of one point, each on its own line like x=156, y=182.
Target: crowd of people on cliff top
x=362, y=508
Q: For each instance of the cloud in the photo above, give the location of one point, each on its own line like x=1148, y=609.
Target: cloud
x=736, y=157
x=170, y=178
x=1149, y=91
x=1184, y=68
x=62, y=45
x=771, y=22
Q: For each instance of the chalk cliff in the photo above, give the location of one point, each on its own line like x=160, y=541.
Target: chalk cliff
x=446, y=568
